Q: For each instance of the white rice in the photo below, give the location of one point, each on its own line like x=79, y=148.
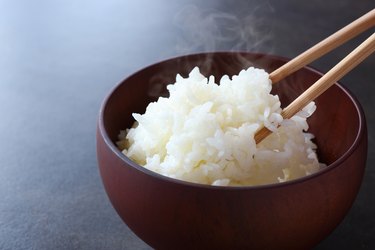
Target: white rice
x=204, y=133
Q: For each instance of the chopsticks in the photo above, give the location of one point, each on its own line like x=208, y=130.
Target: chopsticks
x=336, y=73
x=330, y=43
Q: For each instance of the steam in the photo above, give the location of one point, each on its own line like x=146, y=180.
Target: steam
x=209, y=30
x=212, y=30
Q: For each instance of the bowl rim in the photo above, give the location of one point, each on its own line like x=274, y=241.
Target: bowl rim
x=103, y=133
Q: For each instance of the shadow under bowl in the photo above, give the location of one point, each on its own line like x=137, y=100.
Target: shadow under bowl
x=173, y=214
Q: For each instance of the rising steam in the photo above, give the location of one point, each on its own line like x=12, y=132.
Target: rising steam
x=212, y=30
x=208, y=30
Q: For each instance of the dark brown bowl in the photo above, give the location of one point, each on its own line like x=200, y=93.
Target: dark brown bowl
x=172, y=214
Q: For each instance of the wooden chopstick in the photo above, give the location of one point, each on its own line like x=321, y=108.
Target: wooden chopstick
x=351, y=30
x=337, y=72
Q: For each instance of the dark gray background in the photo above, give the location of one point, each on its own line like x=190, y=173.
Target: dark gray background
x=59, y=59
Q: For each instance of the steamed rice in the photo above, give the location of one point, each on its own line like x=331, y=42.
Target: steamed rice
x=204, y=133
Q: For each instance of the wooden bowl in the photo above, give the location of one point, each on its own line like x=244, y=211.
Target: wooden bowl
x=172, y=214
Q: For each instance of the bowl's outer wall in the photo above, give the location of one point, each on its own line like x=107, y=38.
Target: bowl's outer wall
x=171, y=215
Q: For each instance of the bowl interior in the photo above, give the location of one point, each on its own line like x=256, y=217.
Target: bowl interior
x=335, y=123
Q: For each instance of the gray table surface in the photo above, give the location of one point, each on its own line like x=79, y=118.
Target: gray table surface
x=59, y=59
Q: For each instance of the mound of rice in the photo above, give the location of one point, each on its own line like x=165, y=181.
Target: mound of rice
x=204, y=133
